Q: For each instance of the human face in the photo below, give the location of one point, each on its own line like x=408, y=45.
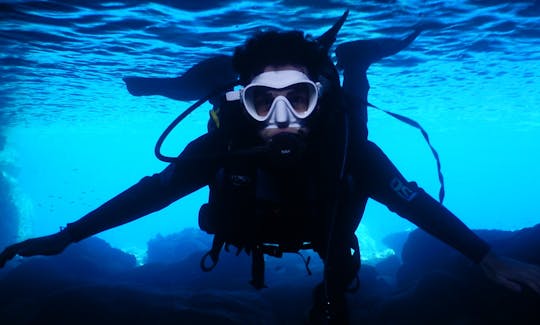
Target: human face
x=287, y=106
x=262, y=99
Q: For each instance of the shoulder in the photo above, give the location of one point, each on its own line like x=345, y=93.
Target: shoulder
x=212, y=140
x=367, y=157
x=198, y=162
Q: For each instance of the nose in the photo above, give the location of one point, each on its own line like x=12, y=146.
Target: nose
x=282, y=114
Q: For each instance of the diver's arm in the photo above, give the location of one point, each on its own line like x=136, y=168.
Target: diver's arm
x=388, y=186
x=191, y=171
x=150, y=194
x=429, y=215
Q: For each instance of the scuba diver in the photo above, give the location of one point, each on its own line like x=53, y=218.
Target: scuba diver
x=286, y=173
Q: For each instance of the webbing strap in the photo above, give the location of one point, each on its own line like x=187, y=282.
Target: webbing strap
x=416, y=125
x=217, y=245
x=257, y=268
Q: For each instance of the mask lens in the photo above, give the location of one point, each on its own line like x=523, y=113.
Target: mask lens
x=299, y=96
x=261, y=99
x=258, y=100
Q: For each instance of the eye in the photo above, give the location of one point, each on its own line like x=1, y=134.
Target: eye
x=263, y=101
x=299, y=99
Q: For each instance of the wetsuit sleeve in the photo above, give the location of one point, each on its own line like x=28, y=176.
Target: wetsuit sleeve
x=385, y=184
x=191, y=171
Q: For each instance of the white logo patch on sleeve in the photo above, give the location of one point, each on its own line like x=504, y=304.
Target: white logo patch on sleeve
x=402, y=190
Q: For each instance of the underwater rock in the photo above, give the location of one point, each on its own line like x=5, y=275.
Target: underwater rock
x=30, y=284
x=388, y=268
x=121, y=304
x=90, y=260
x=440, y=286
x=522, y=244
x=395, y=241
x=92, y=283
x=231, y=273
x=422, y=253
x=94, y=258
x=178, y=256
x=436, y=299
x=178, y=246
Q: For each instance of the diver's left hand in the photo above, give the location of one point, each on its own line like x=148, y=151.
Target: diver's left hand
x=511, y=273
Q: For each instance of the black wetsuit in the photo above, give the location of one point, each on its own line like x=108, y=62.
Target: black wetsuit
x=373, y=174
x=368, y=174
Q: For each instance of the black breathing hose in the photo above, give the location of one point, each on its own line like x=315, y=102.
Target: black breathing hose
x=179, y=118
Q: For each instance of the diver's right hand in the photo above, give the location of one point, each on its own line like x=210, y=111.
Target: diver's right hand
x=46, y=245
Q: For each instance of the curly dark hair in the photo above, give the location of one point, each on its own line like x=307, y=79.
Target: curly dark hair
x=278, y=48
x=273, y=47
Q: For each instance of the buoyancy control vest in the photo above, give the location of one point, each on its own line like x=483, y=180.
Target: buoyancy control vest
x=272, y=205
x=261, y=210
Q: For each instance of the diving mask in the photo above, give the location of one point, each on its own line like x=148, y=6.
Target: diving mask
x=280, y=99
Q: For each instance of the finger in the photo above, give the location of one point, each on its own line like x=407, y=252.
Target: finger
x=531, y=278
x=514, y=286
x=535, y=287
x=533, y=282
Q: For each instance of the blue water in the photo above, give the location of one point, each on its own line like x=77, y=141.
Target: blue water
x=75, y=137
